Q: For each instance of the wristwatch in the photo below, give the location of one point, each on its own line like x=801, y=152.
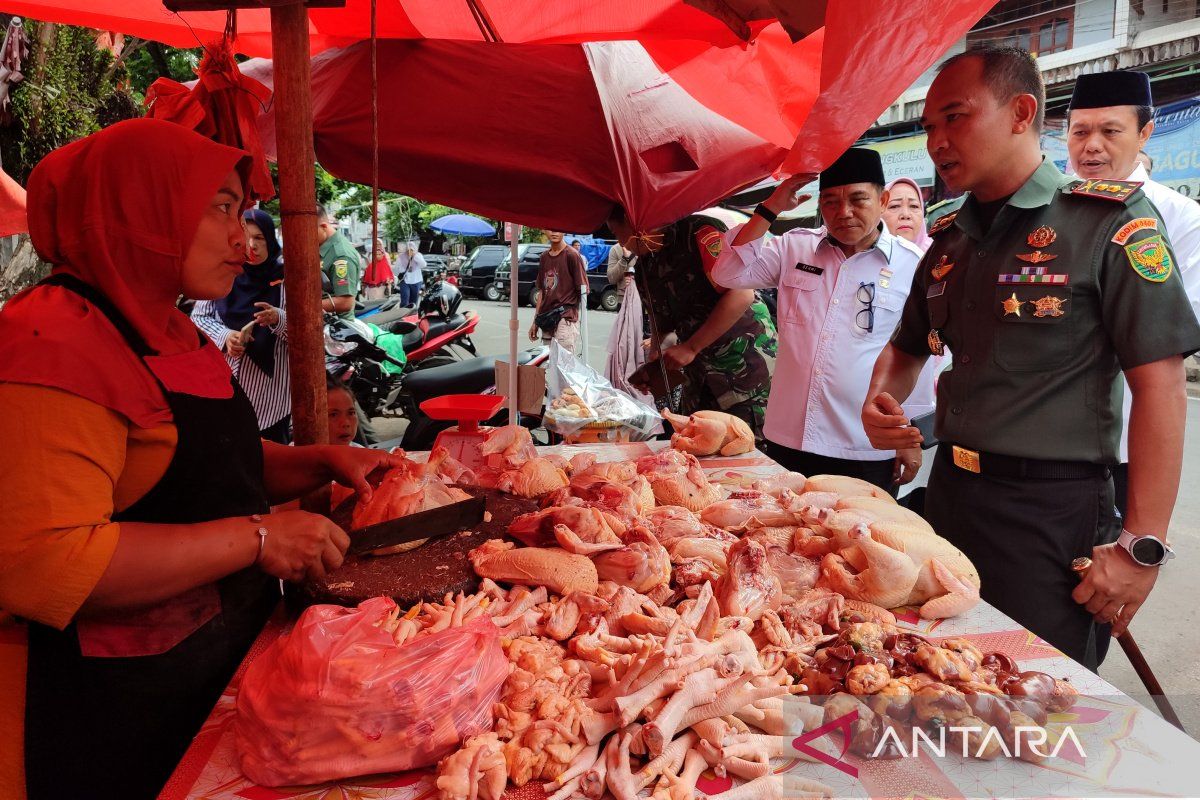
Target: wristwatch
x=766, y=213
x=1149, y=551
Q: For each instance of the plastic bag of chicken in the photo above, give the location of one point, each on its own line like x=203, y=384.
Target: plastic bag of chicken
x=337, y=697
x=578, y=396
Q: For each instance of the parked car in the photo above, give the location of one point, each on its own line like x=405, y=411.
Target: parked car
x=436, y=263
x=601, y=293
x=478, y=273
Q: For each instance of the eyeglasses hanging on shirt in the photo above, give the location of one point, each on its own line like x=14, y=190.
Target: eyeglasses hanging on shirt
x=865, y=318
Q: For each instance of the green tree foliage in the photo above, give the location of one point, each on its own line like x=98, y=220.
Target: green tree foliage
x=71, y=89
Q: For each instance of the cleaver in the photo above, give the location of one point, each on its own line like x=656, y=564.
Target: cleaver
x=438, y=521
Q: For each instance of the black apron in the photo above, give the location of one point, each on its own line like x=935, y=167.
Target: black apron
x=116, y=724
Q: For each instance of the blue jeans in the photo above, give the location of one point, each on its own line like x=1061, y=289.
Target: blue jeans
x=410, y=293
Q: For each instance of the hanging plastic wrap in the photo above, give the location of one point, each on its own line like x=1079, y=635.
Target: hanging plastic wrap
x=578, y=397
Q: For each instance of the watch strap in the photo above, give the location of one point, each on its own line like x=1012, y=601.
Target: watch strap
x=766, y=213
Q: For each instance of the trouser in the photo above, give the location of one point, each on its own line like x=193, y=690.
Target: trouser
x=280, y=432
x=566, y=334
x=410, y=293
x=1022, y=535
x=878, y=473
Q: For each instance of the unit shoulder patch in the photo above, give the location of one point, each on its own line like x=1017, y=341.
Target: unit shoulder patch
x=942, y=223
x=1118, y=191
x=1150, y=258
x=1133, y=226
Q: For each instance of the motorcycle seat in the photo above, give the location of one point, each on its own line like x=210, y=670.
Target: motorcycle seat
x=466, y=377
x=412, y=339
x=437, y=325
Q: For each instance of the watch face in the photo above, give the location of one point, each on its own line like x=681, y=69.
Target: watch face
x=1148, y=550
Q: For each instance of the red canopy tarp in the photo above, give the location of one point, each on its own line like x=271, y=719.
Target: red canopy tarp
x=466, y=123
x=514, y=21
x=548, y=135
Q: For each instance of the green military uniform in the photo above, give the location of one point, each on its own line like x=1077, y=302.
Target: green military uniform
x=733, y=374
x=340, y=263
x=1072, y=282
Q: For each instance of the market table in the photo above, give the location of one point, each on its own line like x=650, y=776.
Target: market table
x=1125, y=750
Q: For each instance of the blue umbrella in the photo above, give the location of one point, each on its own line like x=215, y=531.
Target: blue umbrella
x=463, y=225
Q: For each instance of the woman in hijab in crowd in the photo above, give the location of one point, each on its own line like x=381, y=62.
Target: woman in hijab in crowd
x=905, y=212
x=258, y=358
x=139, y=557
x=905, y=217
x=378, y=276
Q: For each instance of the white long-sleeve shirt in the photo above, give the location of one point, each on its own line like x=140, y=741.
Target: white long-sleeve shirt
x=271, y=395
x=1181, y=222
x=826, y=353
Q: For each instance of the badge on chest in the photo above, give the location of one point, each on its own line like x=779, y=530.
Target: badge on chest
x=810, y=269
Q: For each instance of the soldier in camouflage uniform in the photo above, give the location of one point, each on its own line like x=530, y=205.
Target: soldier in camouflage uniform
x=726, y=339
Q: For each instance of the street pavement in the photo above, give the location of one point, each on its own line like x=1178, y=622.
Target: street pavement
x=1167, y=628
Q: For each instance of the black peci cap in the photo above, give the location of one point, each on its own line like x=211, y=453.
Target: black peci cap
x=1104, y=89
x=856, y=165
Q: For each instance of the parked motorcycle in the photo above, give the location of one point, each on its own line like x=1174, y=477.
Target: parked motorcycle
x=382, y=383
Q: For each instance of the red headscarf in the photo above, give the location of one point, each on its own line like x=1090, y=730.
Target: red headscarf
x=118, y=210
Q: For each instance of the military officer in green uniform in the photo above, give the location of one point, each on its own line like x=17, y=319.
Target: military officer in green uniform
x=724, y=340
x=1045, y=289
x=340, y=263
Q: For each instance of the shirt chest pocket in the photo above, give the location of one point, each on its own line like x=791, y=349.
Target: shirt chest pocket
x=877, y=312
x=795, y=295
x=1035, y=327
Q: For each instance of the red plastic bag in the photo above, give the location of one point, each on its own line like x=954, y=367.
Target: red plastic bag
x=337, y=697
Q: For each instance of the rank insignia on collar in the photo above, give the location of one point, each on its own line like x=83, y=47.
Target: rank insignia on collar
x=1133, y=226
x=1042, y=237
x=1048, y=306
x=1037, y=257
x=936, y=345
x=1150, y=258
x=1106, y=190
x=1012, y=305
x=942, y=268
x=942, y=223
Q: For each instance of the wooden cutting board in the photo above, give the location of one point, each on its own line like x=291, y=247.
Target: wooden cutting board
x=424, y=574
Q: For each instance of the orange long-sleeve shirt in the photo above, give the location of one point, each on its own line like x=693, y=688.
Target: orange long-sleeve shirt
x=68, y=465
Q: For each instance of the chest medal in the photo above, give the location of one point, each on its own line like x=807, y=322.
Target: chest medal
x=1048, y=307
x=936, y=345
x=942, y=268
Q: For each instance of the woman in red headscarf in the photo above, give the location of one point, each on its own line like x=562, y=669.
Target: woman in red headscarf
x=138, y=554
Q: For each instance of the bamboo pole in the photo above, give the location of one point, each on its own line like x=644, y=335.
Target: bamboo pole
x=298, y=213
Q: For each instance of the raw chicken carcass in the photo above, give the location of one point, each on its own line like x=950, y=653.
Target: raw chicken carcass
x=846, y=487
x=589, y=530
x=508, y=447
x=903, y=567
x=706, y=433
x=533, y=478
x=478, y=770
x=774, y=485
x=750, y=586
x=405, y=489
x=678, y=480
x=556, y=569
x=641, y=564
x=672, y=523
x=448, y=468
x=796, y=573
x=748, y=510
x=626, y=500
x=917, y=540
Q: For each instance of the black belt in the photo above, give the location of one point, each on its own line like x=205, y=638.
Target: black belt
x=1000, y=466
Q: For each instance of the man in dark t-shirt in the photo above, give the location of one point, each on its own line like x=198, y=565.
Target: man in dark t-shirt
x=560, y=282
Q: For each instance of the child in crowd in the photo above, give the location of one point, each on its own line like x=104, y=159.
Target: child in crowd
x=343, y=421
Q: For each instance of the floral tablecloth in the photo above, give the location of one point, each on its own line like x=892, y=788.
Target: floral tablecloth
x=1122, y=750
